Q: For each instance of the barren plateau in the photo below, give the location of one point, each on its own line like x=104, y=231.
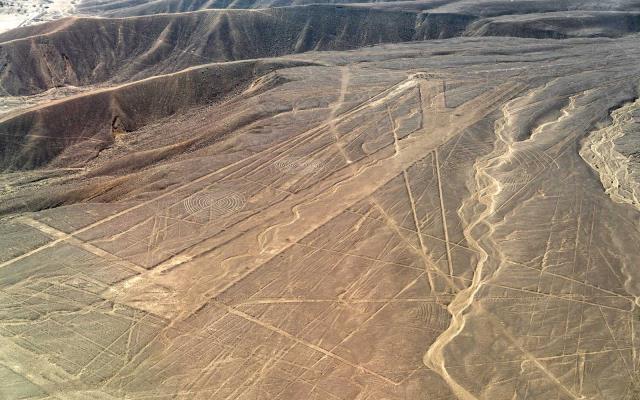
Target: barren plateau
x=280, y=199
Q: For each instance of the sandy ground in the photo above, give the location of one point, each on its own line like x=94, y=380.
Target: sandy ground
x=403, y=221
x=610, y=152
x=16, y=13
x=384, y=223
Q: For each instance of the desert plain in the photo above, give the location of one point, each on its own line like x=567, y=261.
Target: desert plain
x=433, y=199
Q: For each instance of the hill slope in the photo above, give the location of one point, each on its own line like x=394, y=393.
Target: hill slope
x=87, y=51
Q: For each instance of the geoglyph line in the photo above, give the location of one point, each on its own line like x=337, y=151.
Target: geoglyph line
x=294, y=141
x=218, y=202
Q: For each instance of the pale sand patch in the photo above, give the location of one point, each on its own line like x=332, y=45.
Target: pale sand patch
x=16, y=13
x=10, y=21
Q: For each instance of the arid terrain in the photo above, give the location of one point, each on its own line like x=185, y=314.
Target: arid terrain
x=300, y=199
